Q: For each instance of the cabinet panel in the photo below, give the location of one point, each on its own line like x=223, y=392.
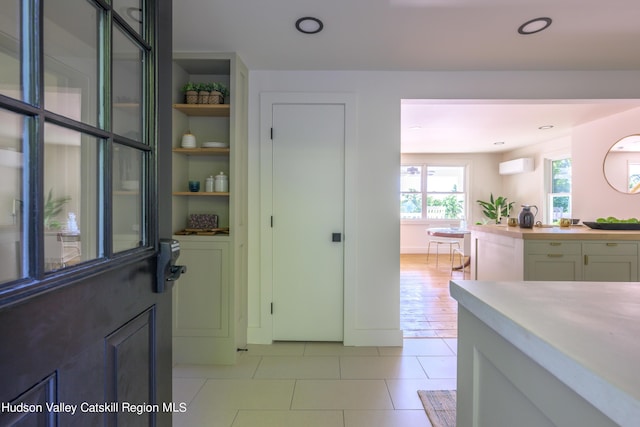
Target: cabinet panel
x=201, y=297
x=553, y=267
x=553, y=247
x=602, y=268
x=610, y=248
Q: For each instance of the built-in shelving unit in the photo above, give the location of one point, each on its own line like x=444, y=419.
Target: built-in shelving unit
x=210, y=306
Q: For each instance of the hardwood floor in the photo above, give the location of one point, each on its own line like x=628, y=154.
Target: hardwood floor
x=426, y=308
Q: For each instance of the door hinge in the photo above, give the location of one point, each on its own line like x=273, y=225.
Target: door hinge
x=272, y=134
x=271, y=308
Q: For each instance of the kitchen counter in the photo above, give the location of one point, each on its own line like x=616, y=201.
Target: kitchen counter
x=548, y=353
x=499, y=252
x=575, y=232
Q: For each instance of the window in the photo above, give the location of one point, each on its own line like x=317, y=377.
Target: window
x=432, y=192
x=76, y=97
x=559, y=191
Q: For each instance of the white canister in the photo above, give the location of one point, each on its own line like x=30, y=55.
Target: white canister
x=188, y=140
x=208, y=186
x=221, y=184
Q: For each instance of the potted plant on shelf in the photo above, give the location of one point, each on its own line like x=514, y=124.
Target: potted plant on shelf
x=203, y=93
x=190, y=90
x=221, y=92
x=496, y=208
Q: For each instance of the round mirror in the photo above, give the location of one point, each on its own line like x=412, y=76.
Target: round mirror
x=622, y=165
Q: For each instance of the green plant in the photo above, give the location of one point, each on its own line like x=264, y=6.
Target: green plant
x=220, y=87
x=491, y=208
x=52, y=209
x=191, y=86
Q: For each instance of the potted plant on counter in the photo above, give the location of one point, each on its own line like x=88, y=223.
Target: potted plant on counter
x=496, y=209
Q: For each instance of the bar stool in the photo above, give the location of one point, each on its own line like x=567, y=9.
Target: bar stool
x=440, y=240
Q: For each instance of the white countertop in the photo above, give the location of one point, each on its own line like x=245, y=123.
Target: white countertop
x=587, y=334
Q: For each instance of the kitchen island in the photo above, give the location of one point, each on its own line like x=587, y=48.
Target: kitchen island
x=500, y=252
x=543, y=354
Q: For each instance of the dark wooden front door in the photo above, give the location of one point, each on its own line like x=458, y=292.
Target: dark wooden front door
x=85, y=116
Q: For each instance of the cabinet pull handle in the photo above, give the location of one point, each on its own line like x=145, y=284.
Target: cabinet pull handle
x=612, y=244
x=554, y=255
x=555, y=243
x=586, y=260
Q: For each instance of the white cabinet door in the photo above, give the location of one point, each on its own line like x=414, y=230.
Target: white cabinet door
x=308, y=221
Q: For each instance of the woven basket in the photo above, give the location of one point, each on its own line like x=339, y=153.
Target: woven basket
x=203, y=97
x=191, y=97
x=215, y=98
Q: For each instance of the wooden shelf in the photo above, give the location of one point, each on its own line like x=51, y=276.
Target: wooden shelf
x=202, y=151
x=208, y=110
x=198, y=194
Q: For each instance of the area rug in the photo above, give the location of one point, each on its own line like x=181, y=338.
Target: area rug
x=440, y=406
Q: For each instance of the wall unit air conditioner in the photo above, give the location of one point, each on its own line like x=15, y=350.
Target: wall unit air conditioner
x=516, y=166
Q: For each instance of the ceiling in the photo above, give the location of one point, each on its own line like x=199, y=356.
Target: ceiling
x=430, y=35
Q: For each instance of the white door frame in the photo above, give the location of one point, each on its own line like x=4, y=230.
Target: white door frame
x=264, y=332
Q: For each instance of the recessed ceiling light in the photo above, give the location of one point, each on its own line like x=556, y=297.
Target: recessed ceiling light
x=498, y=143
x=534, y=26
x=545, y=127
x=309, y=25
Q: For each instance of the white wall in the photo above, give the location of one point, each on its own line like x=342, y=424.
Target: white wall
x=591, y=144
x=376, y=293
x=528, y=188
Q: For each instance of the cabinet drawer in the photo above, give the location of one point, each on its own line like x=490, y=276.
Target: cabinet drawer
x=543, y=247
x=610, y=248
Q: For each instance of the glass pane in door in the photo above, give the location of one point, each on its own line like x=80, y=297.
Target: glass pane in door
x=127, y=86
x=11, y=195
x=127, y=180
x=70, y=197
x=71, y=60
x=10, y=49
x=131, y=12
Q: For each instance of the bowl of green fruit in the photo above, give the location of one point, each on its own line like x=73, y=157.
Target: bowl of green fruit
x=613, y=223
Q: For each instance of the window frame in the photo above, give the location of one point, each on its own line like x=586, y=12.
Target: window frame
x=34, y=277
x=549, y=188
x=423, y=166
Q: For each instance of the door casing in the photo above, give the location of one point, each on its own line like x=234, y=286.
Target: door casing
x=262, y=332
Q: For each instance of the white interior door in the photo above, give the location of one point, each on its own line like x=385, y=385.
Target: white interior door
x=308, y=216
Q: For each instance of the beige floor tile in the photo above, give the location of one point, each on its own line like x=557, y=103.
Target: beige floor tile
x=289, y=419
x=404, y=393
x=419, y=347
x=185, y=389
x=276, y=349
x=297, y=367
x=341, y=394
x=244, y=394
x=440, y=367
x=411, y=418
x=244, y=368
x=205, y=417
x=338, y=349
x=452, y=343
x=380, y=367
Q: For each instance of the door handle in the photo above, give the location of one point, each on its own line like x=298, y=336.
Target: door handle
x=336, y=237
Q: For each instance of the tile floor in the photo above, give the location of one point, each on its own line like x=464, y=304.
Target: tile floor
x=317, y=385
